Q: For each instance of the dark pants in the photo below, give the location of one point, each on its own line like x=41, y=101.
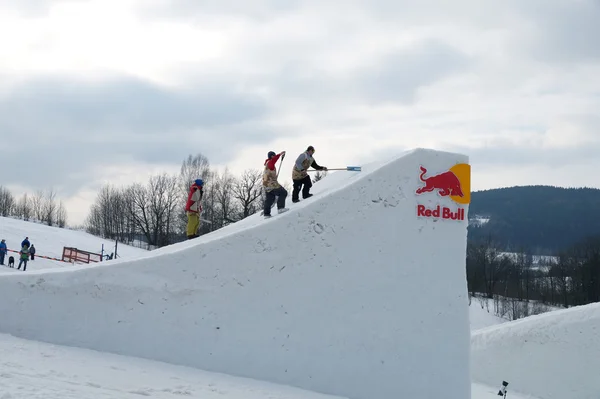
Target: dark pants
x=24, y=263
x=281, y=194
x=2, y=255
x=307, y=183
x=32, y=256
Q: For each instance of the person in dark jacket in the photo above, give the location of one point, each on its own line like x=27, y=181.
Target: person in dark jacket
x=32, y=251
x=3, y=251
x=25, y=242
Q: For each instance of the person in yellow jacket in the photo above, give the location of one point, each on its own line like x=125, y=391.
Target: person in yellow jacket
x=193, y=208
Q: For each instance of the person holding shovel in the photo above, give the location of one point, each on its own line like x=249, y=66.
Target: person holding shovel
x=272, y=187
x=300, y=175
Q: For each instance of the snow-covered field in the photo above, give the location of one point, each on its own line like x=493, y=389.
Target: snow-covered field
x=553, y=355
x=49, y=241
x=35, y=370
x=481, y=317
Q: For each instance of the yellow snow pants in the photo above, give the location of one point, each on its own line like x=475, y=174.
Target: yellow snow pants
x=193, y=223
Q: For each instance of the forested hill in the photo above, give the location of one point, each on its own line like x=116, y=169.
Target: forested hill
x=543, y=219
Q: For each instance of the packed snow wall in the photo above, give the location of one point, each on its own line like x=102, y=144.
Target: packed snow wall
x=359, y=291
x=554, y=355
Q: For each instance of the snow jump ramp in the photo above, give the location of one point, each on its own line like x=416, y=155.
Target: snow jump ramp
x=359, y=291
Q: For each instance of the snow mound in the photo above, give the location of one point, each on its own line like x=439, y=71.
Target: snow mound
x=350, y=293
x=552, y=355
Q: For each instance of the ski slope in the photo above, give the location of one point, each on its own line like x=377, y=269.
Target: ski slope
x=49, y=242
x=347, y=283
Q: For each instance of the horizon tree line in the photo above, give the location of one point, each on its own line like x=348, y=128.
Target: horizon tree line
x=42, y=206
x=519, y=285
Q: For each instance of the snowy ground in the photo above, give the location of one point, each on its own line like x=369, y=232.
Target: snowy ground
x=553, y=355
x=35, y=370
x=480, y=317
x=49, y=241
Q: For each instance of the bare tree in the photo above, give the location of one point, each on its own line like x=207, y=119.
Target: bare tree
x=192, y=168
x=23, y=208
x=485, y=267
x=223, y=190
x=137, y=198
x=93, y=222
x=247, y=189
x=172, y=204
x=49, y=207
x=102, y=213
x=210, y=217
x=61, y=215
x=37, y=205
x=162, y=195
x=7, y=202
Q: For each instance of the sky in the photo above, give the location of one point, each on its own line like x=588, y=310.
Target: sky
x=113, y=91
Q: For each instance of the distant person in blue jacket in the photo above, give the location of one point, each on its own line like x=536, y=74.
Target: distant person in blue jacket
x=25, y=243
x=3, y=251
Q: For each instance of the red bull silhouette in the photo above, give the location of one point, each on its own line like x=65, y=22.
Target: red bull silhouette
x=447, y=183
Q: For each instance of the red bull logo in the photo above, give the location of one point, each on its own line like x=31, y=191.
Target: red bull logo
x=454, y=184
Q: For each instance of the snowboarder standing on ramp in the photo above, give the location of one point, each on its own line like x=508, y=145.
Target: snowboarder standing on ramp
x=272, y=187
x=300, y=175
x=193, y=208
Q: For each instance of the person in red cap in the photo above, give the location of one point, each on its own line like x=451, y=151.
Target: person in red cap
x=300, y=175
x=193, y=208
x=272, y=187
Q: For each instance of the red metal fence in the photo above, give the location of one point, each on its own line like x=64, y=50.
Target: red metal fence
x=77, y=255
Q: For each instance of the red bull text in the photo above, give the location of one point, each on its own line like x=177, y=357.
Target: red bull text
x=441, y=212
x=454, y=184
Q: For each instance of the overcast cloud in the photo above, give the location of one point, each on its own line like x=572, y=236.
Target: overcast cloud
x=95, y=91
